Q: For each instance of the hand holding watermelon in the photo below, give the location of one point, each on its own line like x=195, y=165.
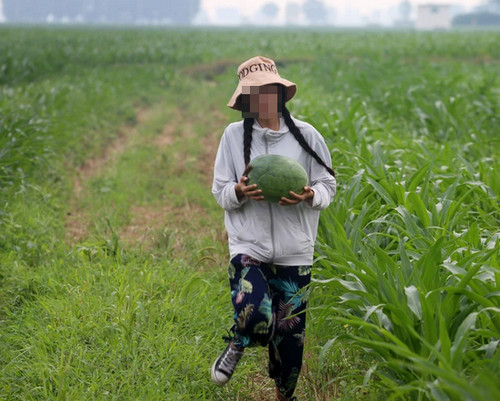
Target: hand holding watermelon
x=307, y=193
x=250, y=191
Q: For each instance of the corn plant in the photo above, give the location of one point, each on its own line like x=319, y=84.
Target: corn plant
x=409, y=255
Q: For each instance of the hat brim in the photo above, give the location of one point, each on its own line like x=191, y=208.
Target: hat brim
x=291, y=89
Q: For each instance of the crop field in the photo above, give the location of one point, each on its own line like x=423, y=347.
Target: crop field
x=113, y=254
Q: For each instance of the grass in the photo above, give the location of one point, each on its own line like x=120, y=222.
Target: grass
x=126, y=296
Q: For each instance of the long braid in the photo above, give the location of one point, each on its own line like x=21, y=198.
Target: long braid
x=301, y=140
x=247, y=138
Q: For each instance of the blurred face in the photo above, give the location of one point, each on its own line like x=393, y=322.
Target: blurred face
x=261, y=101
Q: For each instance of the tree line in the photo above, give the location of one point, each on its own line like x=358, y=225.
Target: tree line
x=101, y=11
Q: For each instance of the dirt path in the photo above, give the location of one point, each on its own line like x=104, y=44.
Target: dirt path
x=147, y=222
x=76, y=221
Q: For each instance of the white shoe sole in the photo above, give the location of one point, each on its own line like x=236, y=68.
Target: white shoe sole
x=215, y=379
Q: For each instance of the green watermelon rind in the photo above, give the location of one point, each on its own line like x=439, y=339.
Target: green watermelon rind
x=276, y=176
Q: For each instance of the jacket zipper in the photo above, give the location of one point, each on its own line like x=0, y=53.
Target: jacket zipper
x=270, y=211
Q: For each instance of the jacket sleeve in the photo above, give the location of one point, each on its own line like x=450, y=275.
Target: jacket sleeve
x=225, y=177
x=323, y=183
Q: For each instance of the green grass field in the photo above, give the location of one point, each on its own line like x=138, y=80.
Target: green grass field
x=112, y=248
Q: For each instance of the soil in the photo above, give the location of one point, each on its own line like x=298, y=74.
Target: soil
x=76, y=220
x=146, y=221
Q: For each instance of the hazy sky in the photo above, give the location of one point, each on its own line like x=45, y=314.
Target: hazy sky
x=344, y=8
x=249, y=7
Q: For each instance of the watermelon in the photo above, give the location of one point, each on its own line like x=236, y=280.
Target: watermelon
x=276, y=176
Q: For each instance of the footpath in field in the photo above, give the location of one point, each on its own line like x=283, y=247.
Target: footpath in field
x=168, y=139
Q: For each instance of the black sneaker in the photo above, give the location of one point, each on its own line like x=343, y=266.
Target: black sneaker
x=224, y=366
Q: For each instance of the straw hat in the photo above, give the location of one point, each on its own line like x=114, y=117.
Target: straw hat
x=259, y=71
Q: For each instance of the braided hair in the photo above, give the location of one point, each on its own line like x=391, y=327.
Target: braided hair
x=247, y=138
x=248, y=128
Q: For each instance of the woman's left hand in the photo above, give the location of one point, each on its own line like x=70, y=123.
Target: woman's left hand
x=307, y=193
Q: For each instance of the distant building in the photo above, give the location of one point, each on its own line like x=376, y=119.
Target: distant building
x=434, y=17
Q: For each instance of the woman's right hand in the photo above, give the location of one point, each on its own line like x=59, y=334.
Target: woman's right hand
x=250, y=191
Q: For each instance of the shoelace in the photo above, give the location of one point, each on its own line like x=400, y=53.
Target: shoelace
x=230, y=359
x=230, y=334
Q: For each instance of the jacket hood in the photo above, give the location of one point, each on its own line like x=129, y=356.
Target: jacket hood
x=271, y=135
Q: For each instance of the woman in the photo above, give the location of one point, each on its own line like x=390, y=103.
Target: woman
x=271, y=245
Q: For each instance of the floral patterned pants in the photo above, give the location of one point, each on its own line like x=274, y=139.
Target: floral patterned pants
x=269, y=303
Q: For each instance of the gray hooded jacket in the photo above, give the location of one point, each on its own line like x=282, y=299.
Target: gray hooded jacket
x=269, y=232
